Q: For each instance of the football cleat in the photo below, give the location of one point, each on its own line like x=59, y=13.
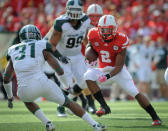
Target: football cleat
x=92, y=109
x=61, y=111
x=99, y=127
x=50, y=126
x=10, y=103
x=103, y=111
x=156, y=123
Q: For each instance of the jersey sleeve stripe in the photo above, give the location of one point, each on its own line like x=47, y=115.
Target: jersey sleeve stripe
x=126, y=42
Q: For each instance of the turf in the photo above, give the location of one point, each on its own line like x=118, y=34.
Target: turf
x=125, y=116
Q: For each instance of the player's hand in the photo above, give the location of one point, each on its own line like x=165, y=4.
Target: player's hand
x=102, y=78
x=10, y=103
x=64, y=59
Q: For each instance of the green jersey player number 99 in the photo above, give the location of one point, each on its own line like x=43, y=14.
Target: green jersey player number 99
x=74, y=42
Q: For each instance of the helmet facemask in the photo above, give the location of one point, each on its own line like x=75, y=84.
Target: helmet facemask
x=94, y=12
x=107, y=32
x=94, y=19
x=107, y=27
x=34, y=35
x=74, y=13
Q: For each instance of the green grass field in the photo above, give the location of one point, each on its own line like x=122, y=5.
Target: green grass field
x=125, y=116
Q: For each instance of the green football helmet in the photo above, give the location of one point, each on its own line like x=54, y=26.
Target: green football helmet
x=29, y=32
x=74, y=9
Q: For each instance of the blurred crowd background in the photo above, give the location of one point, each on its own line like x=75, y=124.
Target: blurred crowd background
x=144, y=21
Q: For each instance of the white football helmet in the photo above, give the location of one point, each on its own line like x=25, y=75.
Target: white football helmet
x=107, y=27
x=74, y=9
x=94, y=12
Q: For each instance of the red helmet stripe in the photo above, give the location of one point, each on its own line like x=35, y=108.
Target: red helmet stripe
x=95, y=9
x=105, y=19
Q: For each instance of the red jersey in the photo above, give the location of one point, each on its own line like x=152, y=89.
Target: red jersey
x=107, y=51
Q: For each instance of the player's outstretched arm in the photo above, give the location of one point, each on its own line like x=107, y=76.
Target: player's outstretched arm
x=55, y=38
x=120, y=61
x=8, y=74
x=53, y=62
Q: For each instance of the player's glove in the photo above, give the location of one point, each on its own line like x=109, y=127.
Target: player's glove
x=60, y=57
x=64, y=59
x=10, y=103
x=104, y=78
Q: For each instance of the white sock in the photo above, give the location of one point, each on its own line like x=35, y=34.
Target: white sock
x=40, y=115
x=8, y=89
x=86, y=117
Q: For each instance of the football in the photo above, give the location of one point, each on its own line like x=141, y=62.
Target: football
x=90, y=54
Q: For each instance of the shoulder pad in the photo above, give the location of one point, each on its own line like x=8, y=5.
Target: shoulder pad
x=59, y=22
x=48, y=47
x=123, y=39
x=84, y=18
x=44, y=45
x=92, y=33
x=8, y=53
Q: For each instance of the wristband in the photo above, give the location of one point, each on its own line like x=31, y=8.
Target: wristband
x=57, y=54
x=108, y=76
x=58, y=69
x=7, y=75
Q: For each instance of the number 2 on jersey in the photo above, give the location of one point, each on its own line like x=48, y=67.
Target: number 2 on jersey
x=105, y=56
x=22, y=49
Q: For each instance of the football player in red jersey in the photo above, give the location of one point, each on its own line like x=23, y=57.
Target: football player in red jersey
x=94, y=12
x=110, y=46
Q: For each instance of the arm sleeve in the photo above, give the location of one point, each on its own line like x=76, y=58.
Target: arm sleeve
x=125, y=41
x=44, y=45
x=91, y=35
x=57, y=54
x=49, y=47
x=57, y=25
